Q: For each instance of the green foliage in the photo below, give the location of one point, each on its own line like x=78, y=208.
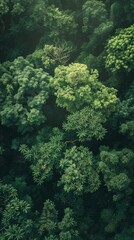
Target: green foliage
x=15, y=221
x=79, y=173
x=55, y=21
x=125, y=114
x=56, y=55
x=24, y=91
x=96, y=25
x=117, y=169
x=120, y=51
x=101, y=32
x=44, y=157
x=36, y=58
x=76, y=87
x=4, y=6
x=51, y=56
x=66, y=140
x=59, y=22
x=94, y=13
x=122, y=12
x=33, y=23
x=63, y=230
x=128, y=129
x=67, y=226
x=48, y=219
x=18, y=7
x=89, y=124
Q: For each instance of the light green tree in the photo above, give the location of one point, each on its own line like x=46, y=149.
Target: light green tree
x=88, y=101
x=120, y=51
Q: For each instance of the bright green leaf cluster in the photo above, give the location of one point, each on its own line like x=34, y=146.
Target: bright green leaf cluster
x=87, y=99
x=120, y=51
x=76, y=87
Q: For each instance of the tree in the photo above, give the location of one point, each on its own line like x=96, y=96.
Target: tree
x=51, y=56
x=44, y=157
x=122, y=13
x=120, y=51
x=48, y=219
x=79, y=173
x=16, y=222
x=24, y=91
x=76, y=87
x=116, y=167
x=81, y=93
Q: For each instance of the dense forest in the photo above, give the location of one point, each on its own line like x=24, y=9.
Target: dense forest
x=66, y=120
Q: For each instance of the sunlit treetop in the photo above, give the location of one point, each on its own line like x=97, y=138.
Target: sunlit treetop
x=120, y=51
x=75, y=87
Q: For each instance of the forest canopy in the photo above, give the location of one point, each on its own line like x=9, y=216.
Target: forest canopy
x=66, y=120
